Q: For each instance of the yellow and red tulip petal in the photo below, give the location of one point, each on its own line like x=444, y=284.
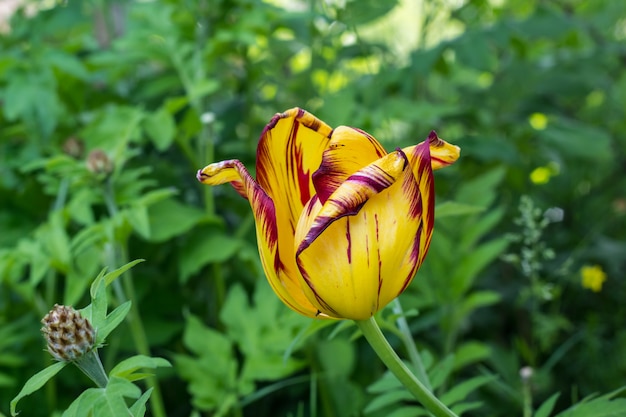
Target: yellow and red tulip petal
x=287, y=286
x=360, y=249
x=442, y=153
x=348, y=151
x=289, y=152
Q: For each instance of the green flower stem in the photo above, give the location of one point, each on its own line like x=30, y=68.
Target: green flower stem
x=91, y=366
x=377, y=340
x=414, y=355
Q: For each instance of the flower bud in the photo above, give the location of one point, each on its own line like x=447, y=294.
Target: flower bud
x=69, y=335
x=99, y=162
x=73, y=147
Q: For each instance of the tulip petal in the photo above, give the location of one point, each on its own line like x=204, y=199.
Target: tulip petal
x=442, y=153
x=361, y=248
x=289, y=151
x=349, y=150
x=284, y=283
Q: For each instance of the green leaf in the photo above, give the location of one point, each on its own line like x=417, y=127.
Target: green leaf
x=212, y=372
x=170, y=218
x=202, y=88
x=479, y=299
x=460, y=391
x=112, y=321
x=441, y=371
x=104, y=402
x=37, y=381
x=161, y=128
x=250, y=325
x=137, y=216
x=470, y=352
x=481, y=190
x=138, y=409
x=604, y=406
x=451, y=208
x=67, y=63
x=98, y=311
x=214, y=246
x=111, y=276
x=409, y=411
x=82, y=406
x=388, y=398
x=469, y=267
x=548, y=405
x=126, y=369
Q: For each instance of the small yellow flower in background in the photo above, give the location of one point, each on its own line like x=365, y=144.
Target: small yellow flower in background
x=538, y=121
x=540, y=175
x=543, y=174
x=592, y=277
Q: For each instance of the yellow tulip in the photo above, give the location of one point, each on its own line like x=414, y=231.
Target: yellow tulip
x=342, y=226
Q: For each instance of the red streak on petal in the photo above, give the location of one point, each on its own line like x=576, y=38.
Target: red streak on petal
x=380, y=264
x=349, y=250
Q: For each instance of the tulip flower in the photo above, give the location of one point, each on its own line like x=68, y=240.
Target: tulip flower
x=342, y=226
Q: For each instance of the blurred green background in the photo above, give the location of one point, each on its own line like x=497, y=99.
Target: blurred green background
x=108, y=108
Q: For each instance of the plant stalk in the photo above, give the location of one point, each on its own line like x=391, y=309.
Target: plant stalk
x=385, y=352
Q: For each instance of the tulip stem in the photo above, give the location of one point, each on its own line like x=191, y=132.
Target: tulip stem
x=385, y=352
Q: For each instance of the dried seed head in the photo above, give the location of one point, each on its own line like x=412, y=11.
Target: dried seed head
x=69, y=335
x=99, y=162
x=73, y=147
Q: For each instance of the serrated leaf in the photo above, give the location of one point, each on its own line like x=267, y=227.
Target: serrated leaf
x=35, y=382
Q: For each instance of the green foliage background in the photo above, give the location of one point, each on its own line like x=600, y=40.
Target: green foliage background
x=534, y=92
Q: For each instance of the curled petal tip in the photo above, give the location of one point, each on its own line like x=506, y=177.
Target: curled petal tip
x=199, y=175
x=432, y=136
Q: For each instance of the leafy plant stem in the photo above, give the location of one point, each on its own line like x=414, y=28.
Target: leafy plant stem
x=407, y=337
x=385, y=352
x=134, y=319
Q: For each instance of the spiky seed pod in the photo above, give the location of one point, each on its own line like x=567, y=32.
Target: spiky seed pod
x=69, y=335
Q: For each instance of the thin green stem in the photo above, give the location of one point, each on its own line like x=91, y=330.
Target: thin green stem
x=527, y=398
x=127, y=291
x=385, y=352
x=407, y=337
